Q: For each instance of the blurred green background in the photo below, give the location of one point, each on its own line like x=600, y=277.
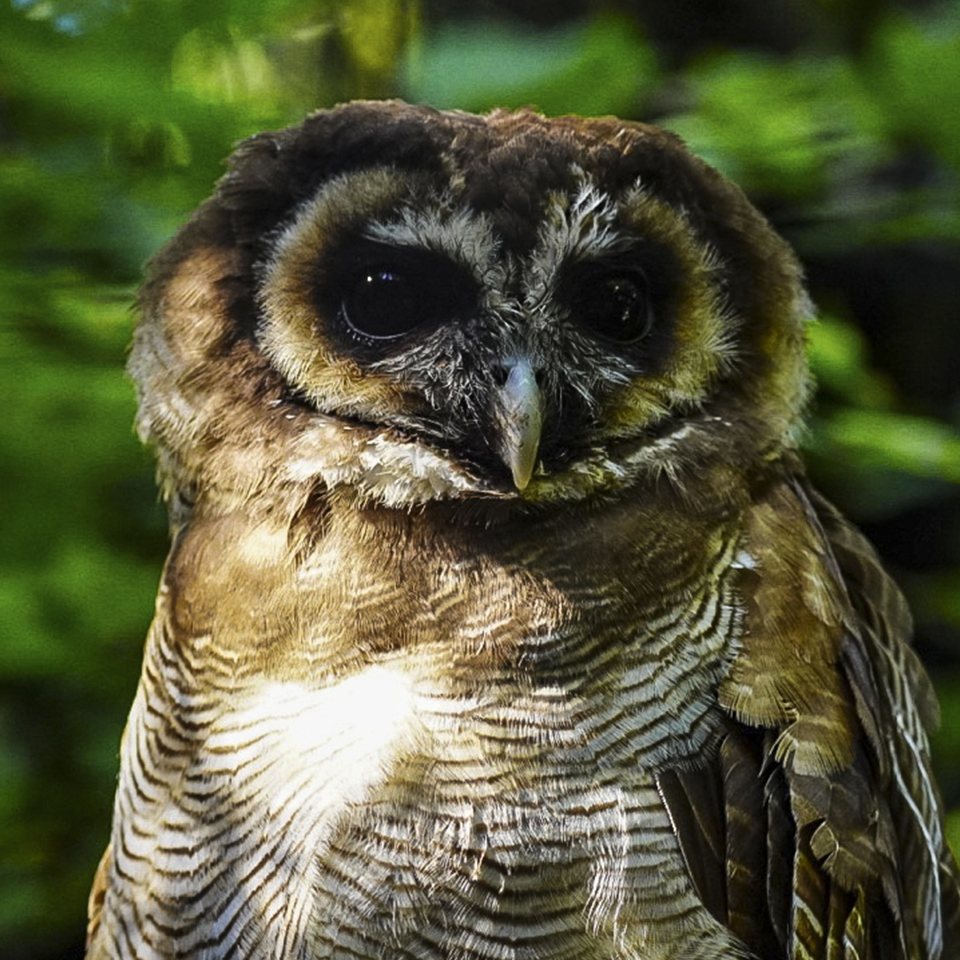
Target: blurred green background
x=841, y=118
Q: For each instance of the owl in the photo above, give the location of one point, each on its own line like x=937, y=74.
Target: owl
x=500, y=620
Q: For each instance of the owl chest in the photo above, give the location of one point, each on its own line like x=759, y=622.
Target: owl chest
x=396, y=817
x=457, y=758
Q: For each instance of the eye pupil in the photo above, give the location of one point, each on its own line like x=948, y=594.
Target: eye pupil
x=623, y=299
x=381, y=303
x=386, y=299
x=615, y=307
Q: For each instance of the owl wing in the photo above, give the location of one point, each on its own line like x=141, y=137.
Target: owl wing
x=816, y=830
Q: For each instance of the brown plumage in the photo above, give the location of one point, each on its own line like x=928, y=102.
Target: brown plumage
x=500, y=621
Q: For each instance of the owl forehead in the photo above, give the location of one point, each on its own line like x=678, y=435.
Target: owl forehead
x=582, y=221
x=579, y=224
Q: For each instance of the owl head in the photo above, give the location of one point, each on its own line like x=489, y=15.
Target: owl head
x=407, y=305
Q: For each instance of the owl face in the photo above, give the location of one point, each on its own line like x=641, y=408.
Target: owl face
x=502, y=307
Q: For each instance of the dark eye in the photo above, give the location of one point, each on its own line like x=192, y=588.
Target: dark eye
x=614, y=305
x=388, y=299
x=381, y=303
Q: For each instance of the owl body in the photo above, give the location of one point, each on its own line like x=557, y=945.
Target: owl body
x=462, y=787
x=500, y=621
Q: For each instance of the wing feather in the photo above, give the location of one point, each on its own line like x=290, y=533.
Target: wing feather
x=747, y=862
x=821, y=788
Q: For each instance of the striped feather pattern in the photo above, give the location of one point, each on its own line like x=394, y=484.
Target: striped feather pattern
x=483, y=790
x=825, y=859
x=533, y=765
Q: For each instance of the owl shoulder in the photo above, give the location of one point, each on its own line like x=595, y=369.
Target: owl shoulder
x=823, y=774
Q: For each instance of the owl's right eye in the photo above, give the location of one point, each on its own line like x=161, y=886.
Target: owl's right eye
x=389, y=298
x=382, y=303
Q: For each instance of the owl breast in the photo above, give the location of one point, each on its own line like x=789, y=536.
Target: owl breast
x=475, y=785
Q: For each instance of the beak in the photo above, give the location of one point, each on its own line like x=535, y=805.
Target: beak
x=518, y=412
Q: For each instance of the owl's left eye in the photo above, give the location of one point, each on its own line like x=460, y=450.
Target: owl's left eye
x=387, y=299
x=614, y=304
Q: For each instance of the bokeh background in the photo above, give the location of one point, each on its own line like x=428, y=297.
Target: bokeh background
x=841, y=119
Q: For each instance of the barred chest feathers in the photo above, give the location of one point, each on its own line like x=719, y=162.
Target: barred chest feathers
x=481, y=779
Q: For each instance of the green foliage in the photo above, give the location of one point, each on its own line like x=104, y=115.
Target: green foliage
x=883, y=457
x=116, y=119
x=587, y=67
x=912, y=67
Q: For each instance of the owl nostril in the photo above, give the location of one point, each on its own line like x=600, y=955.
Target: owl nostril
x=501, y=373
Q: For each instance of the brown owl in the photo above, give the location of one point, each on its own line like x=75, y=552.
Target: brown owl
x=500, y=621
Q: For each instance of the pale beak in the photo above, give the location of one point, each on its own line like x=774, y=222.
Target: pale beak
x=518, y=411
